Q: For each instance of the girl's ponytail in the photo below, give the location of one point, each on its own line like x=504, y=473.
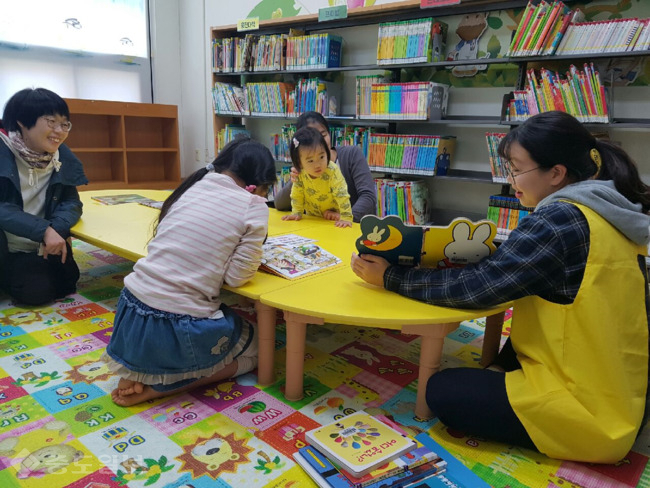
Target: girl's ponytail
x=616, y=165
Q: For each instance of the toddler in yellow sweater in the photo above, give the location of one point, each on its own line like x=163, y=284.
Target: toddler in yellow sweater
x=320, y=188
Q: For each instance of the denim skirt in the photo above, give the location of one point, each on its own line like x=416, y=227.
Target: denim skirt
x=168, y=350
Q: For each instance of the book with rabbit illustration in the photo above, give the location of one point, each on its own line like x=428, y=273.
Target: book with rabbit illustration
x=292, y=256
x=359, y=443
x=457, y=244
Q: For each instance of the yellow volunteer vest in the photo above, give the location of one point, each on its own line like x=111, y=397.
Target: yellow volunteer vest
x=581, y=391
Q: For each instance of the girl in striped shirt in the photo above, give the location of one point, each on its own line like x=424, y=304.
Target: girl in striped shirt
x=172, y=332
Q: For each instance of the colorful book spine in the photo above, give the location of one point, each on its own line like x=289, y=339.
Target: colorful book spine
x=580, y=94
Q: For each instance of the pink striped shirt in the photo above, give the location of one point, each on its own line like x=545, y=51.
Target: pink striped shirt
x=211, y=235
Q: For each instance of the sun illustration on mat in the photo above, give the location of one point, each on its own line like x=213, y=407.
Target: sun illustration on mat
x=215, y=455
x=89, y=372
x=357, y=435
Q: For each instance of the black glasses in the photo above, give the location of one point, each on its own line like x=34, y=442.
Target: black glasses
x=53, y=124
x=513, y=175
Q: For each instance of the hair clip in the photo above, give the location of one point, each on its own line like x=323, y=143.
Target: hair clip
x=595, y=157
x=250, y=188
x=209, y=167
x=295, y=142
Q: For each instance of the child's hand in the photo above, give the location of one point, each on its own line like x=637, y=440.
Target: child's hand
x=343, y=223
x=331, y=215
x=293, y=175
x=370, y=268
x=292, y=217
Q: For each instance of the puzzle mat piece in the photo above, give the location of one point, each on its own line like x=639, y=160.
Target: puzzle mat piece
x=258, y=412
x=35, y=369
x=312, y=389
x=97, y=414
x=288, y=435
x=133, y=443
x=176, y=413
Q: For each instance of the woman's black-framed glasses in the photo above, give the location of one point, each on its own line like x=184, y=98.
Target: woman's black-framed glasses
x=513, y=175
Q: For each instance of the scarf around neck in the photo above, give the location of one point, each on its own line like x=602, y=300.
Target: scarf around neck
x=35, y=159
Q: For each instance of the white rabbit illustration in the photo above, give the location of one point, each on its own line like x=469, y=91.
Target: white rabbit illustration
x=463, y=250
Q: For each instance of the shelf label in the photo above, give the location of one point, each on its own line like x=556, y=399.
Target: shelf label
x=248, y=24
x=331, y=13
x=437, y=3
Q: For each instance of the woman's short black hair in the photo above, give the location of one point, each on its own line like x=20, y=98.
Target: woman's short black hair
x=309, y=118
x=27, y=105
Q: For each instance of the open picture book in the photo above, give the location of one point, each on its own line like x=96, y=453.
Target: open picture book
x=292, y=256
x=457, y=244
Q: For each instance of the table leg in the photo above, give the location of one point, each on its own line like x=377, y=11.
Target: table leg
x=296, y=335
x=266, y=343
x=492, y=338
x=433, y=337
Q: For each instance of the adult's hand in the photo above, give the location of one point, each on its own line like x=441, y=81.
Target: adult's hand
x=54, y=244
x=331, y=215
x=370, y=268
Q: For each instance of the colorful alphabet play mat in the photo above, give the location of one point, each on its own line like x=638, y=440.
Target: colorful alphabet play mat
x=58, y=426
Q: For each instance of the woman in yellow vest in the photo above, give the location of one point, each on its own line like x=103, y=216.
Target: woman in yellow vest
x=576, y=363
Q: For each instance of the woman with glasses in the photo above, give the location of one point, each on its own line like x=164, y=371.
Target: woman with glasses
x=572, y=379
x=39, y=202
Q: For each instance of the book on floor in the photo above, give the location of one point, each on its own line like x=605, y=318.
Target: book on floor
x=292, y=256
x=359, y=443
x=417, y=465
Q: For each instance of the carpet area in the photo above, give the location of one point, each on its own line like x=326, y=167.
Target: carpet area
x=58, y=426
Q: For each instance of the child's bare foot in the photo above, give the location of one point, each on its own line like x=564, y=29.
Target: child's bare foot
x=129, y=387
x=147, y=393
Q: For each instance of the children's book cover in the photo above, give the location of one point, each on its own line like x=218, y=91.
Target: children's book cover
x=359, y=443
x=292, y=256
x=455, y=245
x=147, y=202
x=118, y=199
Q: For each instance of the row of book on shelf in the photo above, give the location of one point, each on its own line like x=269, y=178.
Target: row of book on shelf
x=579, y=93
x=293, y=51
x=548, y=28
x=345, y=135
x=506, y=212
x=409, y=41
x=410, y=154
x=420, y=100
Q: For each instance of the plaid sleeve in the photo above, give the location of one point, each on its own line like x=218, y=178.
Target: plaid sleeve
x=546, y=256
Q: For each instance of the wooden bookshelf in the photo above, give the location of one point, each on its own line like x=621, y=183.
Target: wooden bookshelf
x=125, y=144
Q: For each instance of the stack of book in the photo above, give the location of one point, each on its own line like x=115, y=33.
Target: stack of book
x=229, y=99
x=580, y=94
x=400, y=101
x=349, y=135
x=497, y=163
x=607, y=36
x=506, y=212
x=361, y=451
x=229, y=133
x=409, y=200
x=313, y=51
x=364, y=92
x=314, y=94
x=408, y=154
x=542, y=28
x=280, y=143
x=411, y=41
x=268, y=99
x=233, y=54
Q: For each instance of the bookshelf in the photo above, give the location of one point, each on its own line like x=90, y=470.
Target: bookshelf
x=469, y=128
x=124, y=144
